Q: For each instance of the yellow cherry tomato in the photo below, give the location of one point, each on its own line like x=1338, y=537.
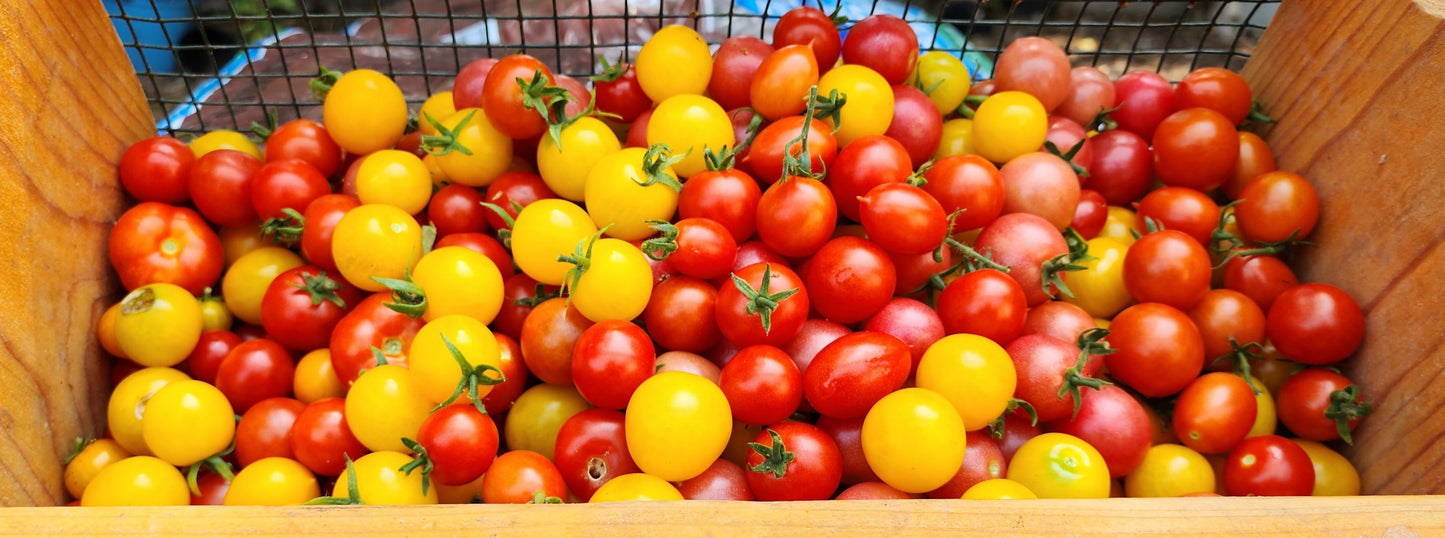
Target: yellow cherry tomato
x=246, y=281
x=1060, y=466
x=383, y=406
x=476, y=153
x=224, y=139
x=1170, y=470
x=137, y=481
x=364, y=112
x=688, y=125
x=88, y=461
x=375, y=240
x=636, y=487
x=188, y=421
x=1009, y=124
x=674, y=61
x=1334, y=474
x=1120, y=223
x=315, y=378
x=617, y=282
x=459, y=280
x=127, y=405
x=394, y=177
x=214, y=314
x=955, y=139
x=1099, y=287
x=538, y=414
x=468, y=493
x=438, y=177
x=565, y=168
x=438, y=106
x=158, y=325
x=380, y=480
x=869, y=109
x=544, y=230
x=914, y=439
x=1266, y=417
x=999, y=488
x=677, y=424
x=975, y=374
x=272, y=481
x=630, y=187
x=236, y=241
x=434, y=370
x=944, y=78
x=105, y=331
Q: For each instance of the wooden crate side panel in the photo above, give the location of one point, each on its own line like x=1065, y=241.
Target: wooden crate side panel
x=71, y=106
x=1359, y=94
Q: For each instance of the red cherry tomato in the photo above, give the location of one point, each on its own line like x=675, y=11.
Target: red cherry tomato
x=266, y=430
x=883, y=43
x=291, y=184
x=254, y=371
x=157, y=169
x=985, y=302
x=1268, y=465
x=591, y=450
x=1158, y=349
x=852, y=373
x=220, y=179
x=155, y=242
x=1315, y=324
x=762, y=385
x=610, y=360
x=813, y=473
x=308, y=141
x=849, y=279
x=804, y=25
x=1218, y=89
x=1195, y=148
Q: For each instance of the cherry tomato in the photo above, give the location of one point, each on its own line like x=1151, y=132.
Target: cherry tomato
x=265, y=430
x=621, y=93
x=636, y=487
x=1255, y=158
x=674, y=61
x=1214, y=413
x=1060, y=466
x=610, y=360
x=321, y=437
x=137, y=481
x=813, y=471
x=522, y=476
x=1167, y=267
x=969, y=183
x=224, y=139
x=1158, y=349
x=722, y=481
x=459, y=281
x=804, y=25
x=999, y=488
x=944, y=77
x=365, y=111
x=1183, y=209
x=677, y=424
x=1090, y=93
x=783, y=320
x=1170, y=470
x=566, y=163
x=316, y=377
x=157, y=169
x=1320, y=405
x=187, y=421
x=1195, y=148
x=1114, y=423
x=1099, y=288
x=1037, y=66
x=1009, y=124
x=1315, y=324
x=254, y=371
x=272, y=482
x=914, y=440
x=1123, y=166
x=883, y=43
x=460, y=443
x=780, y=84
x=436, y=373
x=985, y=302
x=87, y=462
x=762, y=385
x=1276, y=206
x=536, y=418
x=851, y=374
x=302, y=305
x=1334, y=474
x=1042, y=365
x=1041, y=184
x=1218, y=89
x=975, y=374
x=375, y=240
x=482, y=135
x=155, y=242
x=370, y=324
x=158, y=325
x=1142, y=100
x=1224, y=315
x=380, y=480
x=545, y=230
x=869, y=110
x=592, y=450
x=729, y=197
x=1268, y=465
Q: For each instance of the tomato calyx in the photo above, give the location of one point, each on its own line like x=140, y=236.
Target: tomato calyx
x=445, y=141
x=1052, y=270
x=775, y=458
x=322, y=83
x=1068, y=156
x=217, y=464
x=284, y=231
x=724, y=160
x=353, y=493
x=996, y=426
x=422, y=460
x=761, y=302
x=836, y=16
x=966, y=109
x=407, y=298
x=547, y=99
x=972, y=259
x=655, y=163
x=581, y=260
x=1346, y=407
x=1091, y=343
x=75, y=448
x=1241, y=355
x=472, y=377
x=541, y=497
x=917, y=180
x=659, y=248
x=610, y=71
x=799, y=163
x=265, y=131
x=1256, y=113
x=321, y=288
x=540, y=295
x=1102, y=122
x=505, y=234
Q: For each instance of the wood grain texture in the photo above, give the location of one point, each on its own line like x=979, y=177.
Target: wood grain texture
x=71, y=106
x=1371, y=516
x=1359, y=96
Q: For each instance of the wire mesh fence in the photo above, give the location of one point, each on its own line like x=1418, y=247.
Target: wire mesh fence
x=212, y=64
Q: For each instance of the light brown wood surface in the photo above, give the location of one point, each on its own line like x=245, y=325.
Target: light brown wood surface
x=1359, y=93
x=70, y=105
x=1369, y=516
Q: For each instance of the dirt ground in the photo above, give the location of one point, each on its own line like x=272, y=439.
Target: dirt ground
x=423, y=43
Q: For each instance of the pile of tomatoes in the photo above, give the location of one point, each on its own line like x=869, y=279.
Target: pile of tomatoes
x=807, y=269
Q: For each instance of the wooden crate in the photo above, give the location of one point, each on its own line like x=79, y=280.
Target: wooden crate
x=1359, y=93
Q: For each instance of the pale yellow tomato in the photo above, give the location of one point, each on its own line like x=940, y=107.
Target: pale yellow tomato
x=565, y=167
x=137, y=481
x=869, y=109
x=394, y=177
x=1099, y=287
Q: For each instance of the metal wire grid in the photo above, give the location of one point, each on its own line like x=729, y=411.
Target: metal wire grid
x=265, y=50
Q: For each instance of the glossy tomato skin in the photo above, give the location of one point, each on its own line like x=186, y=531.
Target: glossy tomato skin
x=1261, y=277
x=742, y=328
x=254, y=371
x=1167, y=266
x=805, y=25
x=457, y=208
x=982, y=460
x=1195, y=148
x=1255, y=158
x=515, y=288
x=722, y=481
x=157, y=169
x=518, y=476
x=1143, y=99
x=813, y=474
x=1225, y=314
x=321, y=215
x=681, y=315
x=705, y=248
x=1277, y=206
x=514, y=369
x=1091, y=214
x=461, y=443
x=503, y=98
x=523, y=188
x=301, y=307
x=1023, y=242
x=852, y=373
x=266, y=429
x=1159, y=350
x=903, y=219
x=321, y=438
x=1041, y=184
x=1218, y=89
x=1123, y=166
x=155, y=242
x=883, y=43
x=289, y=184
x=969, y=183
x=729, y=197
x=1214, y=413
x=911, y=321
x=591, y=450
x=762, y=384
x=848, y=435
x=1061, y=320
x=1040, y=363
x=1037, y=66
x=1305, y=398
x=205, y=360
x=765, y=156
x=1315, y=323
x=1090, y=92
x=370, y=324
x=1268, y=465
x=797, y=216
x=863, y=164
x=779, y=86
x=467, y=92
x=916, y=123
x=849, y=279
x=1181, y=208
x=1113, y=422
x=609, y=361
x=548, y=338
x=220, y=178
x=985, y=302
x=622, y=96
x=308, y=141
